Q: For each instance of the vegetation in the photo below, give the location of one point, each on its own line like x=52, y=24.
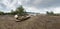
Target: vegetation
x=1, y=13
x=20, y=10
x=52, y=13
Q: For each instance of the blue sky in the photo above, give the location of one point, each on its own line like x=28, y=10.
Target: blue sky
x=38, y=6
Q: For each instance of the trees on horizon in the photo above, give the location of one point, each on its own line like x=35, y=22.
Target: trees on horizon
x=19, y=10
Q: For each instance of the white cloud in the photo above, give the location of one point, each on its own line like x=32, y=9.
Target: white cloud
x=10, y=4
x=57, y=10
x=40, y=6
x=31, y=9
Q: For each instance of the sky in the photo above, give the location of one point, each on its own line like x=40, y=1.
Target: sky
x=37, y=6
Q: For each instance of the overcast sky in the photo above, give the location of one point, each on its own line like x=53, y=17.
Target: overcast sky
x=39, y=6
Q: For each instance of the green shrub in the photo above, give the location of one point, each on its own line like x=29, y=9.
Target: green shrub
x=50, y=13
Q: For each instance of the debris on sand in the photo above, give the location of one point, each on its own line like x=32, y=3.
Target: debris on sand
x=22, y=18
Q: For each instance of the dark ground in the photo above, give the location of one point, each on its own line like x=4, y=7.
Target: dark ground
x=35, y=22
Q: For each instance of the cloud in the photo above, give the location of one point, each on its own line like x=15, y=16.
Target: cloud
x=43, y=5
x=40, y=6
x=8, y=5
